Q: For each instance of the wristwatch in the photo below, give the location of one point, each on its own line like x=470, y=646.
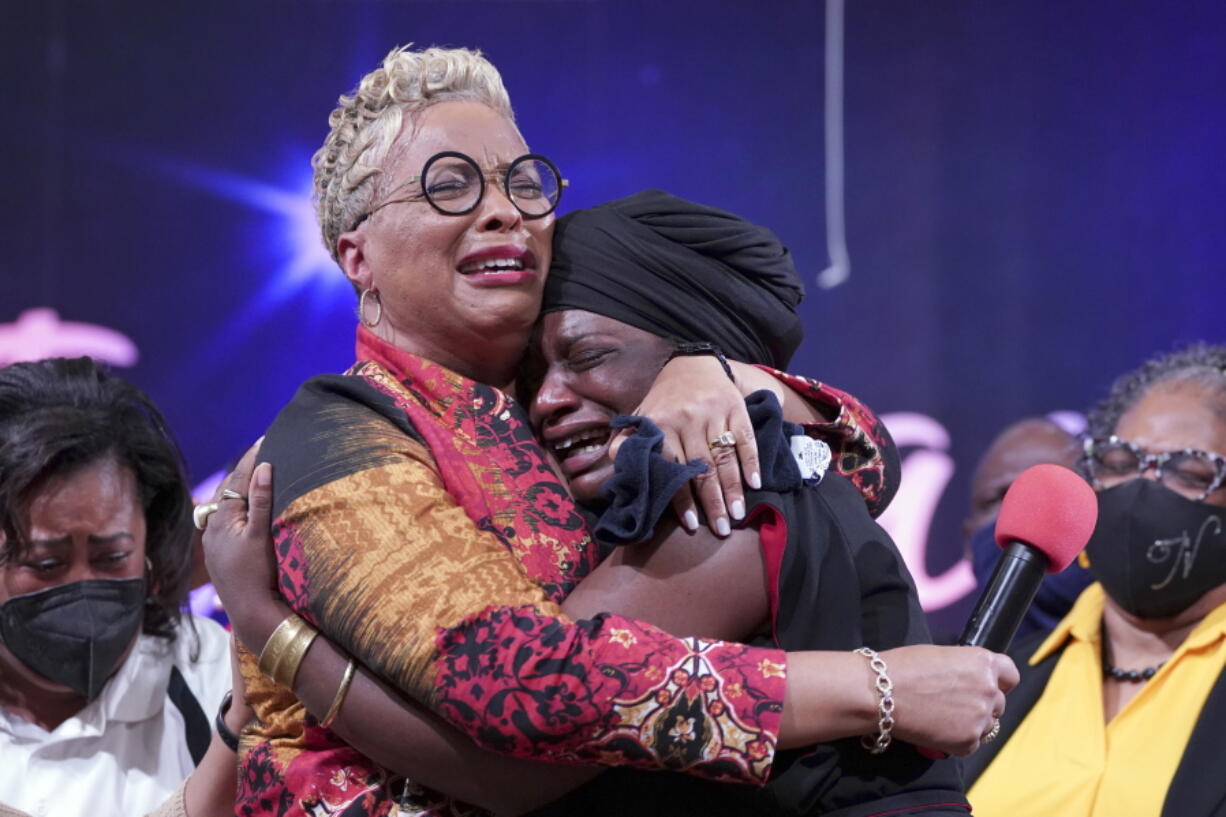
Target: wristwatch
x=688, y=349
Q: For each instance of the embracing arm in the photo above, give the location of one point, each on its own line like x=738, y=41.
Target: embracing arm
x=668, y=580
x=375, y=551
x=406, y=737
x=693, y=402
x=403, y=735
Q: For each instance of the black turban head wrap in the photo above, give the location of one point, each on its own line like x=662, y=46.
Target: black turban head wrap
x=682, y=271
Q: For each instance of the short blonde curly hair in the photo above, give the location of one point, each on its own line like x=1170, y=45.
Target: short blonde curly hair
x=367, y=122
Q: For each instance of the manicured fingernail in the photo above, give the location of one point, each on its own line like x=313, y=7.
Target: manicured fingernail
x=690, y=520
x=737, y=509
x=755, y=481
x=722, y=527
x=263, y=475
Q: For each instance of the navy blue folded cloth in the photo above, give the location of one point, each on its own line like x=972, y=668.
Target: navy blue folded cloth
x=644, y=483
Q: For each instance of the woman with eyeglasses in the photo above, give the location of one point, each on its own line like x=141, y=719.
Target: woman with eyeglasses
x=423, y=530
x=1120, y=707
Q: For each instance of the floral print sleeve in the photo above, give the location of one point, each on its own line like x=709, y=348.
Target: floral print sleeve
x=863, y=450
x=392, y=570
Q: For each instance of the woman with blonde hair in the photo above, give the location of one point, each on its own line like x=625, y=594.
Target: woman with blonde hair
x=423, y=530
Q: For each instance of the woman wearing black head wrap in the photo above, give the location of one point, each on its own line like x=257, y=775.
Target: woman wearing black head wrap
x=696, y=274
x=656, y=265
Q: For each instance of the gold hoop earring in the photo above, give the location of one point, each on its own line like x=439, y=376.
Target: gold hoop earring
x=362, y=308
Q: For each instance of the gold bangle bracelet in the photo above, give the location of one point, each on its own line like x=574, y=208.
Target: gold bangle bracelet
x=339, y=699
x=285, y=672
x=270, y=656
x=285, y=648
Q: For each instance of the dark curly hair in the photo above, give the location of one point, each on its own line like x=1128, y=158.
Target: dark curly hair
x=1198, y=363
x=60, y=415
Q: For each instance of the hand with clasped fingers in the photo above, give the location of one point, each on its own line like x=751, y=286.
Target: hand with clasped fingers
x=239, y=556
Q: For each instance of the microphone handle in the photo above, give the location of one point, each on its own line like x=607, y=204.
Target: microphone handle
x=1003, y=604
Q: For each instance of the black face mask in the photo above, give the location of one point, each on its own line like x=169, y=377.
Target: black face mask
x=1155, y=551
x=74, y=634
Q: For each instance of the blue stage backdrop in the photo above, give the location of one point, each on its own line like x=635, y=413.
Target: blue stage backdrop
x=997, y=206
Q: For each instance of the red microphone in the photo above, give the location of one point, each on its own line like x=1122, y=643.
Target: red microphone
x=1045, y=520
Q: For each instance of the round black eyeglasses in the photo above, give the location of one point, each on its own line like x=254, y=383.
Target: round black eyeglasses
x=453, y=184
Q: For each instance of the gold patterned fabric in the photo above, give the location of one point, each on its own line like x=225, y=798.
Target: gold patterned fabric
x=420, y=526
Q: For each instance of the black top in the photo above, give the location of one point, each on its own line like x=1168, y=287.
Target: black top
x=842, y=585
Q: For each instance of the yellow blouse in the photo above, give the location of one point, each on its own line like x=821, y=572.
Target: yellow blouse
x=1064, y=760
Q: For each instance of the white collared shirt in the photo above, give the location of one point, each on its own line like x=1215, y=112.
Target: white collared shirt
x=125, y=752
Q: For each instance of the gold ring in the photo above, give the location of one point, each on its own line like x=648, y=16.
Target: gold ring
x=228, y=493
x=202, y=512
x=725, y=440
x=992, y=733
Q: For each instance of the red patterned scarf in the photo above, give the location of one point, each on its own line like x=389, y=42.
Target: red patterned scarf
x=489, y=460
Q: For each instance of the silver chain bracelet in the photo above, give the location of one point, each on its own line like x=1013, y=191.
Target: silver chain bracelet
x=876, y=744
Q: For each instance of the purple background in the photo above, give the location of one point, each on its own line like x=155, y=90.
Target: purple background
x=1032, y=199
